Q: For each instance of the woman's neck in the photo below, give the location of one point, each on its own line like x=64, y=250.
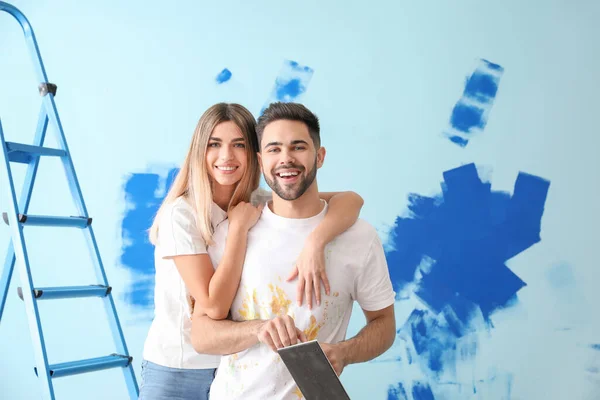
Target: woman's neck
x=222, y=195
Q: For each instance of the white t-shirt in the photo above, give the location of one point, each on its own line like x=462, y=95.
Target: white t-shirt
x=168, y=342
x=357, y=271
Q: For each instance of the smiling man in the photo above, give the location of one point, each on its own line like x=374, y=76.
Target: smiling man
x=264, y=317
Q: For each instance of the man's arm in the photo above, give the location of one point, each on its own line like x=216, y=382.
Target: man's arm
x=223, y=337
x=373, y=340
x=227, y=337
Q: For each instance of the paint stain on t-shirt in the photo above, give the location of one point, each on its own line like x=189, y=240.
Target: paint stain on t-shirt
x=313, y=329
x=250, y=308
x=280, y=304
x=298, y=393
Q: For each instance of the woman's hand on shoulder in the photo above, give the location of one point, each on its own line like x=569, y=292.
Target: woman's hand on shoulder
x=244, y=215
x=310, y=270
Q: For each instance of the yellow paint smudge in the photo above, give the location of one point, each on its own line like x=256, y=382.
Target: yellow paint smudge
x=313, y=329
x=250, y=308
x=280, y=304
x=298, y=393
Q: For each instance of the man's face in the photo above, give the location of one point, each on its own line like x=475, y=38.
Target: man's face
x=288, y=158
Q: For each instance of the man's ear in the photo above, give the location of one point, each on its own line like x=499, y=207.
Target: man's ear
x=320, y=156
x=259, y=161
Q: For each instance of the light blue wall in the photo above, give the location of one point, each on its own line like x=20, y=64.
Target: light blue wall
x=388, y=80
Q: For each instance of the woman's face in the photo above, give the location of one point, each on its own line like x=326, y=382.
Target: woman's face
x=226, y=159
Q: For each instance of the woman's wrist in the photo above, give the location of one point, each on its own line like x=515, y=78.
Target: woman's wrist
x=316, y=241
x=237, y=229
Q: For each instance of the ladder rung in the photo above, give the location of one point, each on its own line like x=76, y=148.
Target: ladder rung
x=42, y=220
x=68, y=292
x=89, y=365
x=25, y=153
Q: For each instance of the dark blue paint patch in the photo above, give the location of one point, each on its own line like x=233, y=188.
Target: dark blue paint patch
x=141, y=292
x=223, y=76
x=138, y=253
x=466, y=117
x=470, y=113
x=409, y=356
x=422, y=391
x=459, y=141
x=481, y=86
x=291, y=83
x=298, y=67
x=595, y=346
x=493, y=66
x=469, y=231
x=397, y=392
x=290, y=89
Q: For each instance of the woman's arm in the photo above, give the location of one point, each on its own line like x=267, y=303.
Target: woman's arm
x=214, y=290
x=343, y=211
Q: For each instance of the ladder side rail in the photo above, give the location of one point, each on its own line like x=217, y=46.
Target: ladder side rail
x=9, y=262
x=31, y=308
x=34, y=51
x=113, y=318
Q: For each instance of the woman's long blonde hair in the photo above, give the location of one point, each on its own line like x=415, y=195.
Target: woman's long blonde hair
x=193, y=180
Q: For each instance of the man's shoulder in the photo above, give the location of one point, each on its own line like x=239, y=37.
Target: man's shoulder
x=361, y=232
x=260, y=196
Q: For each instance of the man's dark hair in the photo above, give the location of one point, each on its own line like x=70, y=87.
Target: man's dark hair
x=292, y=112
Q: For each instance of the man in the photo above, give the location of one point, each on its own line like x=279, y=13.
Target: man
x=264, y=316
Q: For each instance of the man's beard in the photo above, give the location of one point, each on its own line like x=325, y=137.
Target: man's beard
x=301, y=186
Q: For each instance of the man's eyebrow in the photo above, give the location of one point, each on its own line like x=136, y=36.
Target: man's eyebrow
x=216, y=139
x=299, y=141
x=273, y=144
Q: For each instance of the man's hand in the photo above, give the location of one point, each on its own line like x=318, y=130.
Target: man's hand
x=335, y=355
x=280, y=332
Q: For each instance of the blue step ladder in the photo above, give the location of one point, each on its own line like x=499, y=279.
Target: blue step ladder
x=18, y=217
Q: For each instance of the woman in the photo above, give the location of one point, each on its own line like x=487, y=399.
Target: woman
x=218, y=179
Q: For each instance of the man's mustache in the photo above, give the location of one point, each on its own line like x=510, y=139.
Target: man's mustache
x=288, y=166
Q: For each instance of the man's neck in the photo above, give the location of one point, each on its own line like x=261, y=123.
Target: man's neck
x=306, y=206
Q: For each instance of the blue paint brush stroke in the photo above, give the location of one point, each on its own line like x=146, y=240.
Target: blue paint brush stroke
x=422, y=391
x=432, y=341
x=452, y=248
x=595, y=346
x=291, y=82
x=469, y=115
x=397, y=393
x=223, y=76
x=138, y=253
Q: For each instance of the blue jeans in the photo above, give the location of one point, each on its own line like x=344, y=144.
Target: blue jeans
x=164, y=383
